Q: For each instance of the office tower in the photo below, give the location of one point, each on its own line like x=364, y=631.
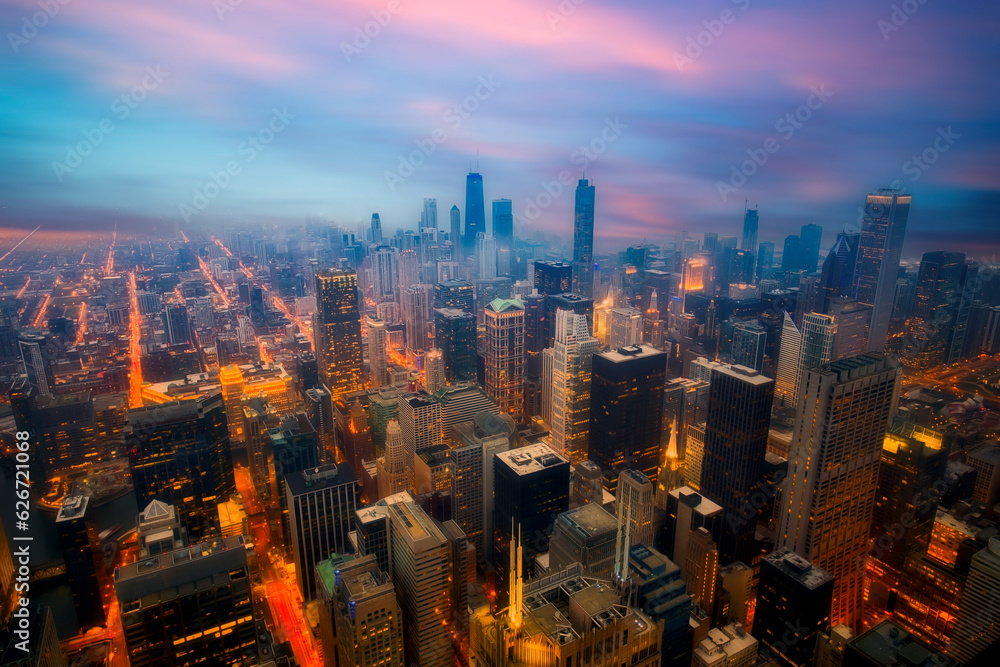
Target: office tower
x=421, y=572
x=586, y=484
x=701, y=567
x=634, y=516
x=352, y=430
x=337, y=330
x=461, y=403
x=851, y=319
x=408, y=267
x=475, y=211
x=505, y=355
x=321, y=512
x=486, y=256
x=801, y=349
x=455, y=233
x=839, y=267
x=434, y=373
x=81, y=552
x=35, y=346
x=765, y=260
x=565, y=301
x=373, y=528
x=179, y=453
x=811, y=238
x=429, y=217
x=942, y=304
x=378, y=353
x=790, y=351
x=978, y=625
x=177, y=324
x=583, y=239
x=793, y=608
x=662, y=594
x=42, y=649
x=503, y=223
x=882, y=231
x=393, y=473
x=626, y=328
x=833, y=471
x=791, y=255
x=626, y=409
x=420, y=421
x=414, y=306
x=735, y=267
x=571, y=379
x=455, y=294
x=553, y=277
x=535, y=333
x=376, y=228
x=985, y=460
x=749, y=344
x=360, y=618
x=189, y=605
x=739, y=416
x=531, y=487
x=385, y=272
x=159, y=530
x=295, y=446
x=888, y=644
x=687, y=511
x=455, y=336
x=585, y=535
x=751, y=218
x=473, y=445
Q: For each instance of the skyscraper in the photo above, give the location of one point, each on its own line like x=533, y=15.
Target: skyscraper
x=378, y=352
x=376, y=227
x=634, y=516
x=626, y=409
x=429, y=218
x=552, y=277
x=34, y=348
x=458, y=294
x=585, y=535
x=813, y=345
x=811, y=239
x=882, y=231
x=321, y=509
x=455, y=235
x=393, y=476
x=475, y=211
x=503, y=223
x=791, y=255
x=836, y=448
x=739, y=416
x=505, y=355
x=583, y=239
x=749, y=344
x=571, y=378
x=978, y=625
x=837, y=277
x=765, y=260
x=455, y=336
x=942, y=305
x=751, y=218
x=177, y=324
x=337, y=330
x=81, y=552
x=415, y=308
x=486, y=256
x=626, y=328
x=179, y=453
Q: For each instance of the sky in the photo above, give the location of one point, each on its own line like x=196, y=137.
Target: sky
x=199, y=112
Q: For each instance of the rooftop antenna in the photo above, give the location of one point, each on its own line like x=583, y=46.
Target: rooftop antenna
x=477, y=160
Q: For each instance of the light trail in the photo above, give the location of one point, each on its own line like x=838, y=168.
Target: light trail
x=20, y=242
x=184, y=237
x=81, y=329
x=41, y=312
x=111, y=252
x=211, y=279
x=24, y=289
x=135, y=351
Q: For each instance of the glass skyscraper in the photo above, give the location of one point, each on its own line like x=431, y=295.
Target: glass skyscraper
x=583, y=239
x=475, y=212
x=882, y=231
x=337, y=329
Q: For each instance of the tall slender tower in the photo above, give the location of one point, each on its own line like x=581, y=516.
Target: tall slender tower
x=378, y=343
x=838, y=270
x=790, y=348
x=505, y=355
x=393, y=476
x=377, y=227
x=573, y=355
x=337, y=329
x=583, y=240
x=751, y=218
x=456, y=232
x=836, y=448
x=503, y=223
x=881, y=245
x=415, y=314
x=634, y=511
x=812, y=346
x=475, y=211
x=978, y=625
x=486, y=256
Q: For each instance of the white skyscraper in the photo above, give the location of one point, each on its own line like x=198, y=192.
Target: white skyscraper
x=634, y=511
x=833, y=465
x=486, y=256
x=806, y=348
x=433, y=371
x=384, y=272
x=415, y=317
x=393, y=475
x=978, y=624
x=787, y=373
x=626, y=328
x=378, y=342
x=573, y=352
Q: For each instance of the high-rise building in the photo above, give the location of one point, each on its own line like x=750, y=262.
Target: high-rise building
x=836, y=449
x=687, y=511
x=378, y=352
x=321, y=509
x=751, y=219
x=749, y=345
x=791, y=255
x=942, y=305
x=583, y=239
x=179, y=453
x=793, y=608
x=177, y=324
x=553, y=277
x=565, y=301
x=739, y=416
x=376, y=227
x=626, y=328
x=585, y=535
x=812, y=240
x=851, y=319
x=415, y=309
x=475, y=211
x=455, y=234
x=455, y=336
x=189, y=606
x=505, y=355
x=458, y=294
x=789, y=353
x=34, y=347
x=503, y=223
x=360, y=618
x=765, y=260
x=978, y=625
x=571, y=378
x=81, y=552
x=660, y=591
x=839, y=267
x=531, y=487
x=801, y=349
x=393, y=473
x=422, y=569
x=882, y=231
x=434, y=373
x=700, y=568
x=42, y=650
x=337, y=330
x=626, y=410
x=486, y=256
x=429, y=217
x=634, y=516
x=888, y=644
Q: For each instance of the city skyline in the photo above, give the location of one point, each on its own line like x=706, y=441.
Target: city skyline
x=336, y=121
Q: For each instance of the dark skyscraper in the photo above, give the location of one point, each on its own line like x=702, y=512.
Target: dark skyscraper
x=80, y=550
x=751, y=219
x=376, y=229
x=552, y=277
x=179, y=454
x=838, y=270
x=458, y=294
x=881, y=245
x=583, y=239
x=626, y=409
x=791, y=256
x=739, y=416
x=455, y=336
x=475, y=212
x=765, y=260
x=455, y=235
x=503, y=223
x=942, y=304
x=337, y=330
x=812, y=238
x=176, y=323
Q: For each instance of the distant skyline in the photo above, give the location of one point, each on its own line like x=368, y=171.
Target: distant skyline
x=301, y=116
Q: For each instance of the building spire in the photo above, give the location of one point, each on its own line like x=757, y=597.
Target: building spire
x=516, y=586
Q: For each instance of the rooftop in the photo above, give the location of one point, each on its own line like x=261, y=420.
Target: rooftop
x=797, y=567
x=531, y=459
x=631, y=352
x=590, y=519
x=319, y=479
